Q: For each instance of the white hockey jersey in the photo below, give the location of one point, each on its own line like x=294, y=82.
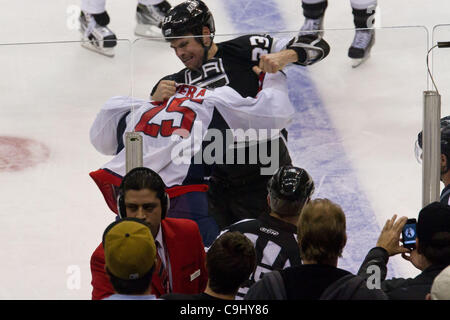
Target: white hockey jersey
x=174, y=132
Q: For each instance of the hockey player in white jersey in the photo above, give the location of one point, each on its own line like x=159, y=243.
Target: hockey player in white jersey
x=177, y=135
x=363, y=18
x=94, y=20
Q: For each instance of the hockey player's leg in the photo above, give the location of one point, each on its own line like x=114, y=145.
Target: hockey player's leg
x=194, y=206
x=218, y=203
x=149, y=16
x=313, y=11
x=364, y=39
x=361, y=46
x=96, y=35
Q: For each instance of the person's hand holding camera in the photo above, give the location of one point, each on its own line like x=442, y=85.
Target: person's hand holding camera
x=389, y=238
x=418, y=260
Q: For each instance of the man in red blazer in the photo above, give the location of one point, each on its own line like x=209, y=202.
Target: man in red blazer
x=179, y=244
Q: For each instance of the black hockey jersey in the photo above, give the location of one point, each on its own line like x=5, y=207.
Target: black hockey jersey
x=232, y=65
x=275, y=243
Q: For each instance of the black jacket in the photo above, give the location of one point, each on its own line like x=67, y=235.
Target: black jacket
x=399, y=288
x=308, y=282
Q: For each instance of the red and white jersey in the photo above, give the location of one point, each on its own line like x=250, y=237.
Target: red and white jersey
x=173, y=131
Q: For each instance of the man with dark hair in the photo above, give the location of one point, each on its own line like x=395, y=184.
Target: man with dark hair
x=230, y=261
x=236, y=191
x=445, y=157
x=321, y=236
x=275, y=235
x=431, y=255
x=130, y=256
x=180, y=253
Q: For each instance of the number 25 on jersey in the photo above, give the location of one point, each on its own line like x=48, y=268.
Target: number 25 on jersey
x=160, y=119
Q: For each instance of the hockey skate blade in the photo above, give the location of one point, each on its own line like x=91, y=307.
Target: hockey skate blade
x=106, y=52
x=357, y=62
x=148, y=31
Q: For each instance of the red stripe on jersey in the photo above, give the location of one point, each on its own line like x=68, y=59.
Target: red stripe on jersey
x=179, y=190
x=108, y=182
x=261, y=80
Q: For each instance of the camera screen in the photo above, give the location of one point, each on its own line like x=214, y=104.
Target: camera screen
x=409, y=233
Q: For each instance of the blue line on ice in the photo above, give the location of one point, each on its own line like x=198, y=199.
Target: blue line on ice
x=314, y=143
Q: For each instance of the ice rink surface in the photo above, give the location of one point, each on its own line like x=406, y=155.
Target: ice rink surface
x=354, y=130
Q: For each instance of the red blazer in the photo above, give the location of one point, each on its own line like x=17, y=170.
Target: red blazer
x=187, y=259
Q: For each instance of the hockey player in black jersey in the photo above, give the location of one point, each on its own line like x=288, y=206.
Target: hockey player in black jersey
x=230, y=62
x=237, y=191
x=275, y=236
x=445, y=157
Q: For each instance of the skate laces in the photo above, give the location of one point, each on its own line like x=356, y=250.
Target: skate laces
x=153, y=12
x=312, y=24
x=362, y=39
x=92, y=25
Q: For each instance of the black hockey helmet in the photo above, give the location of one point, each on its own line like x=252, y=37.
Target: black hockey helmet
x=445, y=140
x=188, y=17
x=143, y=178
x=291, y=183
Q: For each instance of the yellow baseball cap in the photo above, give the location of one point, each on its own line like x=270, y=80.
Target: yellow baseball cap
x=130, y=249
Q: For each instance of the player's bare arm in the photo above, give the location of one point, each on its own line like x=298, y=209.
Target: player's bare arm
x=276, y=61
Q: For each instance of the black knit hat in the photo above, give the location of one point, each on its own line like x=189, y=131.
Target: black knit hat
x=433, y=218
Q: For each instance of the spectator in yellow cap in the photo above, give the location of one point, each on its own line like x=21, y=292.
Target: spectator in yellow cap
x=130, y=256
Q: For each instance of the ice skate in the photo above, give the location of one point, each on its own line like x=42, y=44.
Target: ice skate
x=96, y=35
x=361, y=45
x=149, y=19
x=312, y=27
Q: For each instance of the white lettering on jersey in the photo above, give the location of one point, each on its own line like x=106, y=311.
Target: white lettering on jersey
x=212, y=72
x=257, y=41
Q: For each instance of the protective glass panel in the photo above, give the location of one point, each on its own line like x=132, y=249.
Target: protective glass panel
x=359, y=131
x=440, y=66
x=52, y=213
x=353, y=129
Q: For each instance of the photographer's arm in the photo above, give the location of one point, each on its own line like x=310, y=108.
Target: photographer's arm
x=387, y=245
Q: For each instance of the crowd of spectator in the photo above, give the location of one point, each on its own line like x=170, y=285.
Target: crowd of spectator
x=145, y=255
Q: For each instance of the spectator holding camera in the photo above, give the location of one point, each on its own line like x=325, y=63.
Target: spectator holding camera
x=430, y=255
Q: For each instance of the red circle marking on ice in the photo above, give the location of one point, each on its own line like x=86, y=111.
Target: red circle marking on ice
x=20, y=153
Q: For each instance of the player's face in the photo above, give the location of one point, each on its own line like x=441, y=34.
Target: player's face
x=145, y=205
x=189, y=51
